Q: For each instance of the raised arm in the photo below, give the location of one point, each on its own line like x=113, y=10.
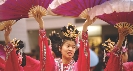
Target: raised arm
x=38, y=17
x=46, y=58
x=11, y=57
x=7, y=33
x=84, y=54
x=87, y=23
x=123, y=32
x=115, y=59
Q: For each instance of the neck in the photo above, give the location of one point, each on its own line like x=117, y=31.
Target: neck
x=66, y=60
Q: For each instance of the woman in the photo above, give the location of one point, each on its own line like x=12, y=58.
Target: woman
x=13, y=59
x=67, y=48
x=118, y=56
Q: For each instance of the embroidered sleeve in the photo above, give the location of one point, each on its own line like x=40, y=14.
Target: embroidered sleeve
x=8, y=48
x=46, y=59
x=83, y=63
x=116, y=51
x=85, y=42
x=42, y=37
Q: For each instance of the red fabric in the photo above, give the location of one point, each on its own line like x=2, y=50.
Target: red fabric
x=2, y=61
x=49, y=63
x=2, y=64
x=12, y=61
x=114, y=62
x=84, y=61
x=128, y=66
x=31, y=64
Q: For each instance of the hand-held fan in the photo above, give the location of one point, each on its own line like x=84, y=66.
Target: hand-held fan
x=3, y=24
x=73, y=8
x=115, y=12
x=17, y=9
x=2, y=2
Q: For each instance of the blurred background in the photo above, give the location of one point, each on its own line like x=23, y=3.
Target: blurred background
x=27, y=31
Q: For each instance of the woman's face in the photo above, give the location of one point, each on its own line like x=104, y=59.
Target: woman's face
x=68, y=49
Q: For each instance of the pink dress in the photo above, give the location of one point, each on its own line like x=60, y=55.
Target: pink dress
x=128, y=66
x=47, y=62
x=115, y=62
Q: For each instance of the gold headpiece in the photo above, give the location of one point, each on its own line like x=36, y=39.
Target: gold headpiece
x=70, y=31
x=108, y=45
x=16, y=43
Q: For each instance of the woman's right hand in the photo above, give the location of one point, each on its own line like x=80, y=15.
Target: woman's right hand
x=38, y=16
x=123, y=32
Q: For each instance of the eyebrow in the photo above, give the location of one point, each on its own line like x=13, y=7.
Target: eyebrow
x=69, y=44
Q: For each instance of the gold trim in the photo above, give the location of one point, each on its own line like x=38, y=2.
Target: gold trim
x=37, y=8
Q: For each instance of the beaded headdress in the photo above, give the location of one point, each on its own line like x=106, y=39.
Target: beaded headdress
x=108, y=45
x=17, y=43
x=70, y=32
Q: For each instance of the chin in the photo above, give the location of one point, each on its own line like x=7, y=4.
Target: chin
x=69, y=57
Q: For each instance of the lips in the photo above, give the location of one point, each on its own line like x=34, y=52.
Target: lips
x=69, y=53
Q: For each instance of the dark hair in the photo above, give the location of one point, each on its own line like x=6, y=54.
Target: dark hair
x=23, y=60
x=20, y=44
x=56, y=42
x=68, y=33
x=107, y=49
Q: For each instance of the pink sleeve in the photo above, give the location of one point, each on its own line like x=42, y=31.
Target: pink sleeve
x=128, y=66
x=84, y=54
x=47, y=62
x=2, y=64
x=12, y=59
x=31, y=64
x=114, y=63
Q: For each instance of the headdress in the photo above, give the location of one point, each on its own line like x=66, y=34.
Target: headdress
x=108, y=45
x=18, y=44
x=70, y=32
